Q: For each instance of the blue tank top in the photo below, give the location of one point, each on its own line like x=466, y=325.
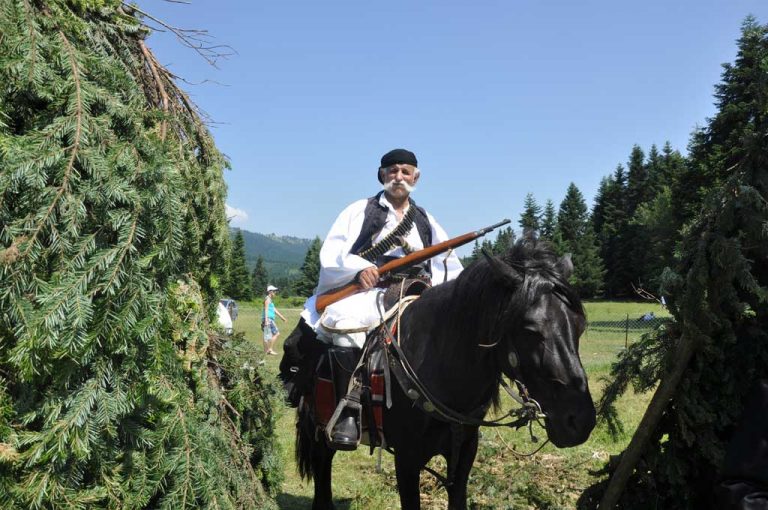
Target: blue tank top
x=270, y=311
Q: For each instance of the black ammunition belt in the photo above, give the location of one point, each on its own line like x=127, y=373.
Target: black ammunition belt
x=392, y=239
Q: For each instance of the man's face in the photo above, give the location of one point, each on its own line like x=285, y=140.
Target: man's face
x=399, y=179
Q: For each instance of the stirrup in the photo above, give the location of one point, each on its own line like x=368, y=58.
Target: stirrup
x=351, y=409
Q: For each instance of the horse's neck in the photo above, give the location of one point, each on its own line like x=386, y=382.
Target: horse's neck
x=457, y=367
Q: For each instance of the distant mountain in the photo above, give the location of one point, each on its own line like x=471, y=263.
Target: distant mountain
x=283, y=255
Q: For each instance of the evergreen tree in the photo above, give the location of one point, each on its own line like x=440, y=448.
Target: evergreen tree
x=486, y=246
x=259, y=278
x=712, y=154
x=574, y=234
x=530, y=219
x=654, y=226
x=572, y=215
x=548, y=221
x=112, y=241
x=634, y=251
x=505, y=238
x=588, y=272
x=610, y=224
x=310, y=270
x=657, y=221
x=677, y=174
x=504, y=241
x=559, y=245
x=598, y=208
x=238, y=282
x=638, y=241
x=476, y=253
x=637, y=180
x=673, y=165
x=718, y=297
x=656, y=174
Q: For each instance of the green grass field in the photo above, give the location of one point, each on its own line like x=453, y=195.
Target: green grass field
x=551, y=479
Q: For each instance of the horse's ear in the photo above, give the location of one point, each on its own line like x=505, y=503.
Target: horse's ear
x=565, y=266
x=502, y=270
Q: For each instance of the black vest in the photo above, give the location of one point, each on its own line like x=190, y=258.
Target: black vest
x=376, y=217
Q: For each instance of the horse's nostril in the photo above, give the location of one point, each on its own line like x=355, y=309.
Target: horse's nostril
x=580, y=423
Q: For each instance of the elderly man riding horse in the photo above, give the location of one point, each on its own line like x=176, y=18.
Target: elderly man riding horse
x=365, y=235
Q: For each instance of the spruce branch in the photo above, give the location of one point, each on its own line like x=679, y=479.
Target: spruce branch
x=74, y=147
x=32, y=39
x=118, y=265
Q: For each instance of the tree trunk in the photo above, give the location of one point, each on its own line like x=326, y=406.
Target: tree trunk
x=663, y=395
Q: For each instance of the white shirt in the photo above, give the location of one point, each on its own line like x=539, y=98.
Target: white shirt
x=224, y=319
x=338, y=266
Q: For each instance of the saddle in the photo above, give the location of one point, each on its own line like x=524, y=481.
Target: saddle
x=370, y=371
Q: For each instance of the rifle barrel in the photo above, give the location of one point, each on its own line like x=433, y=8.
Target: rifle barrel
x=497, y=225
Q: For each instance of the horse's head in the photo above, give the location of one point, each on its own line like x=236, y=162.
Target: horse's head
x=540, y=329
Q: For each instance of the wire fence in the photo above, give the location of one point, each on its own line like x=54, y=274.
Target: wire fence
x=627, y=328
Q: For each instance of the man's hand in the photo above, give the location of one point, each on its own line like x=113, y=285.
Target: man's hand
x=368, y=277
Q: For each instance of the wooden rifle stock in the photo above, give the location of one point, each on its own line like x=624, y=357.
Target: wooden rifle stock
x=330, y=297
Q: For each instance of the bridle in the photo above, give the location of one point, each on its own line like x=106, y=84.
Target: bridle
x=529, y=410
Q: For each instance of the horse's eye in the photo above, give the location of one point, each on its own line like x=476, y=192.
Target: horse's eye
x=532, y=330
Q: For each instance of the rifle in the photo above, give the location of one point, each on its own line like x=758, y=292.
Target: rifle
x=337, y=294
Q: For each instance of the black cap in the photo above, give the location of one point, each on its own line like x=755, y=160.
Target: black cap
x=397, y=156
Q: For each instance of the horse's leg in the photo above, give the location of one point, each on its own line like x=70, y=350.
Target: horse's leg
x=457, y=492
x=407, y=469
x=322, y=464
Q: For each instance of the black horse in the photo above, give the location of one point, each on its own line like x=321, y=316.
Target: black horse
x=516, y=316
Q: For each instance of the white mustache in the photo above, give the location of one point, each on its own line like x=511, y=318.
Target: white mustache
x=391, y=185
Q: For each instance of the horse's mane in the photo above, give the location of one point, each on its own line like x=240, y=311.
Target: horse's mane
x=478, y=291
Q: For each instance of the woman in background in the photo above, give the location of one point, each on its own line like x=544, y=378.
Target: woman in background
x=268, y=325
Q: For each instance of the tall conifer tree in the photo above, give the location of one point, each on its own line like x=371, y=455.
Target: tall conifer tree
x=310, y=269
x=599, y=207
x=238, y=281
x=633, y=238
x=575, y=235
x=530, y=219
x=612, y=239
x=548, y=221
x=719, y=297
x=259, y=278
x=572, y=216
x=504, y=241
x=660, y=234
x=656, y=174
x=637, y=180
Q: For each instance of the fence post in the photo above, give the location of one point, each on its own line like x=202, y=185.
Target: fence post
x=626, y=333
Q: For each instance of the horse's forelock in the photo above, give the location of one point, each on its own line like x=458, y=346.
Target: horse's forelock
x=542, y=268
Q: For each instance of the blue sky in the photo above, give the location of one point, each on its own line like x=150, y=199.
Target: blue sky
x=496, y=98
